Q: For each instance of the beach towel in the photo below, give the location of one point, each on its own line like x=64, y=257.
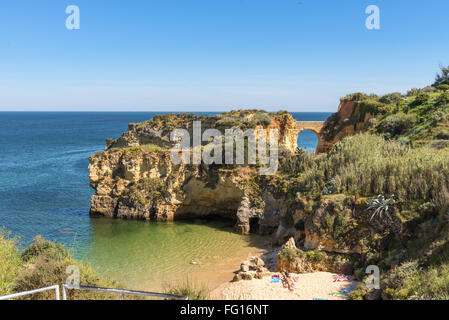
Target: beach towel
x=345, y=291
x=341, y=278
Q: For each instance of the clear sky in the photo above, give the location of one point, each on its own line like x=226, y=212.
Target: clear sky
x=214, y=55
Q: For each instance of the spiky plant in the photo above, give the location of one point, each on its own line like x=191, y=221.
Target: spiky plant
x=381, y=206
x=330, y=187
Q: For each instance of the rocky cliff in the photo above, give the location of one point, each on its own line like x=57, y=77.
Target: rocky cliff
x=351, y=118
x=134, y=178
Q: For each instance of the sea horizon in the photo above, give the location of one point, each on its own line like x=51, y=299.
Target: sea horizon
x=144, y=111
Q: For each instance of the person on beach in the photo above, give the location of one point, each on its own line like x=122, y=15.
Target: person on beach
x=286, y=280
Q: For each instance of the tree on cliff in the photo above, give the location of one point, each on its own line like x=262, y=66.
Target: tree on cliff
x=442, y=78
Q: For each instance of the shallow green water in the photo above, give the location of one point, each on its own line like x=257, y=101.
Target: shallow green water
x=147, y=255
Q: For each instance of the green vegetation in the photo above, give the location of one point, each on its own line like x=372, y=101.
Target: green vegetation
x=381, y=195
x=368, y=165
x=419, y=117
x=347, y=194
x=43, y=263
x=290, y=254
x=396, y=124
x=243, y=119
x=443, y=77
x=391, y=98
x=189, y=288
x=404, y=152
x=10, y=262
x=145, y=191
x=151, y=148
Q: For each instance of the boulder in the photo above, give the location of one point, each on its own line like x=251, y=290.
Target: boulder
x=247, y=275
x=374, y=295
x=237, y=277
x=290, y=244
x=256, y=261
x=244, y=267
x=261, y=275
x=261, y=269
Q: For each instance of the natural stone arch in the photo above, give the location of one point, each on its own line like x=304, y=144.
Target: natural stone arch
x=315, y=126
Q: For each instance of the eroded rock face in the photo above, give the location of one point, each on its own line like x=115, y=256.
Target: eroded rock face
x=143, y=185
x=293, y=259
x=135, y=178
x=332, y=227
x=347, y=121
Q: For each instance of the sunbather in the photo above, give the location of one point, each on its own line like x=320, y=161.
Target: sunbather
x=287, y=281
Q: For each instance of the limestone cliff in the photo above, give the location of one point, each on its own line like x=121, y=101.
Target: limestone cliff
x=351, y=118
x=134, y=178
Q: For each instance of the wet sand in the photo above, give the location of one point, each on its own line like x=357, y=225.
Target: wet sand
x=216, y=274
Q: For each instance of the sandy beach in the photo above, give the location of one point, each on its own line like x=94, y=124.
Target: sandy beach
x=310, y=286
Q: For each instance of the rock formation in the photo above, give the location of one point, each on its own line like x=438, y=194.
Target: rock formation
x=351, y=118
x=134, y=178
x=253, y=268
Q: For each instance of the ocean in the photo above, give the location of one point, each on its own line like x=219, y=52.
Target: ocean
x=44, y=190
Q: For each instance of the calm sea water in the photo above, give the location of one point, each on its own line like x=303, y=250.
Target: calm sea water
x=44, y=190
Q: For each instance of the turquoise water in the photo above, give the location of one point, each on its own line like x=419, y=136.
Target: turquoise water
x=44, y=190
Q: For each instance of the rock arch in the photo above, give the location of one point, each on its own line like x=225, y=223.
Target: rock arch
x=315, y=126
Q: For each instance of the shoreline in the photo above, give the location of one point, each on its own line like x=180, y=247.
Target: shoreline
x=213, y=276
x=307, y=286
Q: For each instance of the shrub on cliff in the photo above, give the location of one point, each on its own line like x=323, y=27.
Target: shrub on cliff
x=421, y=99
x=10, y=262
x=369, y=165
x=391, y=98
x=442, y=77
x=243, y=119
x=44, y=263
x=369, y=107
x=410, y=281
x=290, y=254
x=299, y=261
x=443, y=100
x=396, y=124
x=359, y=96
x=44, y=249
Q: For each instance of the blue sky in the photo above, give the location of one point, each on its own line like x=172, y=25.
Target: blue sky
x=214, y=55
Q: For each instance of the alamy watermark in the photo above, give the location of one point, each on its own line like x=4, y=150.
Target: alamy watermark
x=373, y=280
x=190, y=150
x=373, y=20
x=74, y=275
x=73, y=20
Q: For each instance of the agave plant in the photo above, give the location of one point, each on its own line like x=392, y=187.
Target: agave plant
x=330, y=187
x=381, y=206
